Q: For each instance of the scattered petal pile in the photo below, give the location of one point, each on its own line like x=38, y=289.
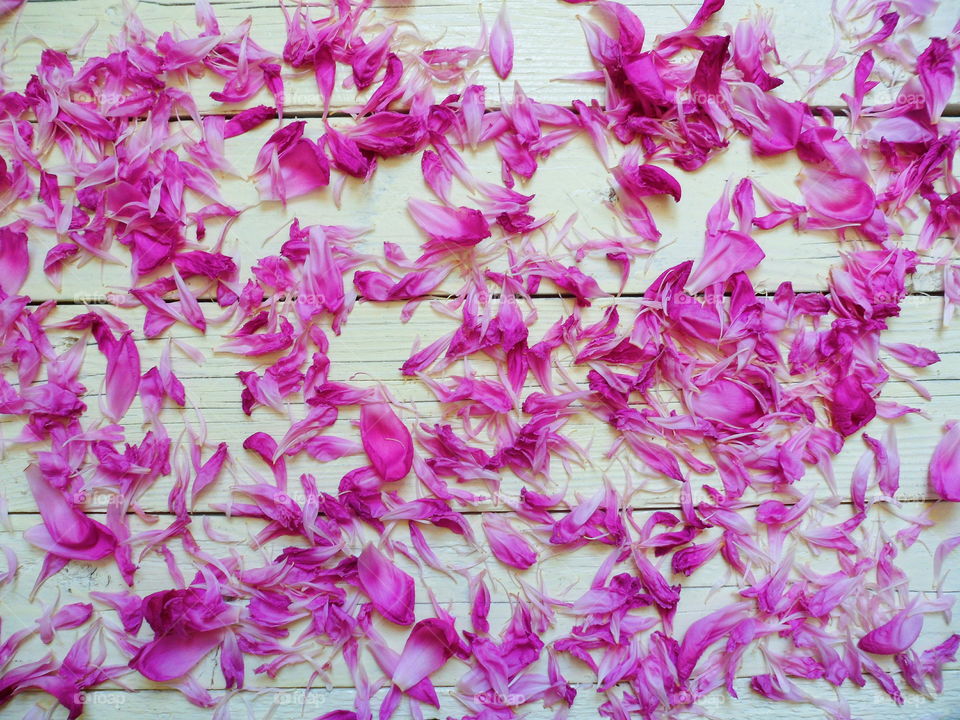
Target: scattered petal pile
x=549, y=420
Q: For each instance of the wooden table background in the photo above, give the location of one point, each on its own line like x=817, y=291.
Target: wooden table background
x=549, y=44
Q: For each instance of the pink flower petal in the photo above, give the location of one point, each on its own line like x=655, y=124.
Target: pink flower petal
x=386, y=441
x=501, y=44
x=944, y=472
x=894, y=636
x=390, y=589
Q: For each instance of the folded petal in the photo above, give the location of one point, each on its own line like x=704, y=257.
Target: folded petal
x=894, y=636
x=461, y=227
x=66, y=531
x=508, y=545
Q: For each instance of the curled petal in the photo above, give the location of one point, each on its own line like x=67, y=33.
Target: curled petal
x=894, y=636
x=501, y=44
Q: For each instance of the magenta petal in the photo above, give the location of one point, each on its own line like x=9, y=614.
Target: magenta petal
x=461, y=227
x=852, y=406
x=912, y=355
x=724, y=254
x=894, y=636
x=8, y=6
x=66, y=531
x=944, y=472
x=645, y=180
x=209, y=471
x=390, y=589
x=431, y=643
x=727, y=402
x=386, y=441
x=840, y=199
x=935, y=66
x=501, y=44
x=14, y=259
x=173, y=656
x=507, y=545
x=122, y=376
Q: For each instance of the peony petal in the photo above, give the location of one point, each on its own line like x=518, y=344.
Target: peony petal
x=508, y=545
x=14, y=258
x=390, y=589
x=122, y=376
x=944, y=471
x=724, y=254
x=386, y=441
x=501, y=44
x=428, y=647
x=173, y=656
x=894, y=636
x=836, y=198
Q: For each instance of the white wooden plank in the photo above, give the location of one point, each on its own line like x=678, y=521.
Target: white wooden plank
x=374, y=344
x=868, y=703
x=573, y=180
x=804, y=34
x=562, y=574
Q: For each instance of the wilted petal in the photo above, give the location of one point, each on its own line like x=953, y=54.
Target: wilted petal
x=935, y=66
x=852, y=405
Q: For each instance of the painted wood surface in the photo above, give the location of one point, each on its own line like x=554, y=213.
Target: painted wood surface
x=374, y=343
